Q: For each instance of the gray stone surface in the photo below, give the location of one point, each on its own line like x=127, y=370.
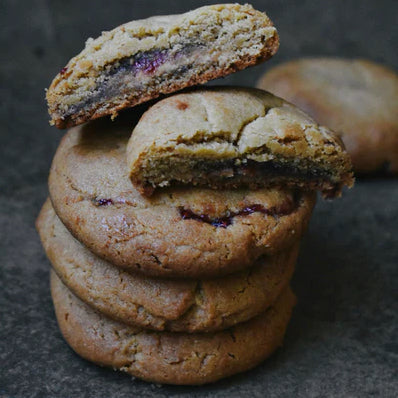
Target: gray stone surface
x=342, y=341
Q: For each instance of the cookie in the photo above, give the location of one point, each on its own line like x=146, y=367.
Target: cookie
x=140, y=60
x=229, y=138
x=167, y=357
x=161, y=304
x=182, y=232
x=356, y=98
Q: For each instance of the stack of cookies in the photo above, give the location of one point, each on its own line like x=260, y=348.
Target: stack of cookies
x=173, y=231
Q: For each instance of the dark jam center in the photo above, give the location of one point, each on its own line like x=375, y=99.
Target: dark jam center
x=149, y=61
x=270, y=168
x=224, y=221
x=102, y=202
x=146, y=62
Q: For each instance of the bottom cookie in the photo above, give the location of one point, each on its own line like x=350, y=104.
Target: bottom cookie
x=167, y=357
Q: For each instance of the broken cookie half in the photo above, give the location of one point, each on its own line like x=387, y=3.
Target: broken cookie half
x=227, y=137
x=143, y=59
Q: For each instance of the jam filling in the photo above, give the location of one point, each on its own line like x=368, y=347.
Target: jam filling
x=271, y=168
x=146, y=62
x=283, y=209
x=149, y=61
x=102, y=202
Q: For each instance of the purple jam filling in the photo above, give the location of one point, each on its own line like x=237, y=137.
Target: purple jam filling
x=223, y=222
x=148, y=62
x=271, y=168
x=102, y=202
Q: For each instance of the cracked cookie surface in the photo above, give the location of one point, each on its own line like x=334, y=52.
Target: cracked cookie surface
x=163, y=304
x=167, y=357
x=227, y=137
x=358, y=99
x=141, y=60
x=93, y=196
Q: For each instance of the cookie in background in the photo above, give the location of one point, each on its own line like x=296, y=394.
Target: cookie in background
x=358, y=99
x=183, y=232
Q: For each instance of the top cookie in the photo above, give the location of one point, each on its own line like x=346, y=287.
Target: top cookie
x=142, y=59
x=232, y=137
x=356, y=98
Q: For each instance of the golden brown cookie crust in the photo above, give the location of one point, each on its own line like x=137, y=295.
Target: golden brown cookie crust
x=356, y=98
x=161, y=304
x=166, y=357
x=165, y=235
x=140, y=60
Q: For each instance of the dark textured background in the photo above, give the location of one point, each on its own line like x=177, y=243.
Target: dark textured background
x=342, y=341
